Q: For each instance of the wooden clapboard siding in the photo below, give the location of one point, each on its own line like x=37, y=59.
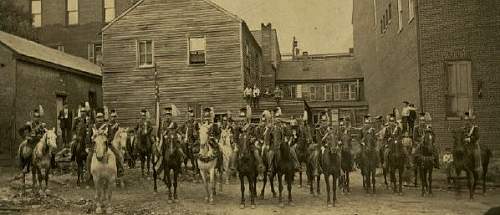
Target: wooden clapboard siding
x=169, y=24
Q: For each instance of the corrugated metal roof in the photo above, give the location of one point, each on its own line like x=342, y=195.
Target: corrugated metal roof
x=37, y=51
x=335, y=68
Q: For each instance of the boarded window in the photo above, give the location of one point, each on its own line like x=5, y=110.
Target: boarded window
x=459, y=87
x=109, y=10
x=72, y=12
x=197, y=51
x=145, y=53
x=36, y=13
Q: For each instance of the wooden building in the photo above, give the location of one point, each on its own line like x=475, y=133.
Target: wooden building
x=32, y=74
x=203, y=54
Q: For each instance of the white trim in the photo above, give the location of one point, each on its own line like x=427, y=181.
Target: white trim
x=121, y=15
x=204, y=37
x=400, y=16
x=138, y=53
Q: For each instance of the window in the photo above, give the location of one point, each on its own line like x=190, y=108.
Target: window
x=197, y=50
x=459, y=87
x=411, y=10
x=72, y=12
x=60, y=48
x=347, y=91
x=109, y=10
x=36, y=13
x=400, y=15
x=390, y=12
x=145, y=53
x=95, y=53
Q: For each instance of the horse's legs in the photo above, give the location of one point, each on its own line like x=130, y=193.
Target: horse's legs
x=98, y=196
x=317, y=184
x=400, y=174
x=143, y=159
x=264, y=182
x=289, y=181
x=46, y=177
x=384, y=171
x=476, y=178
x=34, y=178
x=205, y=183
x=149, y=161
x=423, y=180
x=485, y=171
x=271, y=181
x=176, y=175
x=251, y=181
x=40, y=181
x=469, y=185
x=415, y=173
x=169, y=184
x=280, y=189
x=109, y=192
x=334, y=190
x=372, y=174
x=300, y=178
x=347, y=181
x=242, y=189
x=212, y=184
x=393, y=179
x=430, y=180
x=327, y=182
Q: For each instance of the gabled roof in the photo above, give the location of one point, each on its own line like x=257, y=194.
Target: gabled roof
x=49, y=55
x=338, y=68
x=216, y=6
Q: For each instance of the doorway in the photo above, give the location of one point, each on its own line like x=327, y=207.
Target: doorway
x=60, y=100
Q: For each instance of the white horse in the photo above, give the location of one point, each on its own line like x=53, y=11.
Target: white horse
x=207, y=161
x=41, y=160
x=103, y=170
x=227, y=151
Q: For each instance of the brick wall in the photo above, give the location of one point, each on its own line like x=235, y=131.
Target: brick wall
x=469, y=30
x=7, y=96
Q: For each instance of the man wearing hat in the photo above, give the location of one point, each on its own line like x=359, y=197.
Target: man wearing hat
x=278, y=137
x=169, y=130
x=25, y=133
x=405, y=115
x=81, y=130
x=113, y=123
x=37, y=126
x=65, y=118
x=144, y=129
x=472, y=137
x=190, y=134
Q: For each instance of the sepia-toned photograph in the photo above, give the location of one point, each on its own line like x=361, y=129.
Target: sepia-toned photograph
x=244, y=107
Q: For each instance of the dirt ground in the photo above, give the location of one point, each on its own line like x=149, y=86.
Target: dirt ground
x=138, y=198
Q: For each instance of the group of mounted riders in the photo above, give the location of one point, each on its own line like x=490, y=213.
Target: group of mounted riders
x=263, y=141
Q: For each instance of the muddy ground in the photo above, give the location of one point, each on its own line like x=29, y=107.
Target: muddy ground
x=138, y=198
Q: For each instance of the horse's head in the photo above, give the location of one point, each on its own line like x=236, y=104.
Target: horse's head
x=51, y=138
x=101, y=145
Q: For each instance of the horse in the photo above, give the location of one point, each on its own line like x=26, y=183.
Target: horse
x=463, y=160
x=172, y=162
x=384, y=160
x=308, y=154
x=369, y=160
x=104, y=172
x=425, y=162
x=226, y=148
x=120, y=143
x=264, y=151
x=42, y=155
x=25, y=154
x=347, y=160
x=396, y=162
x=284, y=167
x=331, y=165
x=207, y=162
x=144, y=149
x=247, y=167
x=190, y=147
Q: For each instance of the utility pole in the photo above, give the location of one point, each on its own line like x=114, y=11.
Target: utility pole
x=157, y=100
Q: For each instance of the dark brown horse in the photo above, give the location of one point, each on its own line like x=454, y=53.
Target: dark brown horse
x=247, y=166
x=425, y=162
x=172, y=161
x=463, y=160
x=284, y=167
x=330, y=164
x=144, y=149
x=347, y=160
x=396, y=163
x=369, y=159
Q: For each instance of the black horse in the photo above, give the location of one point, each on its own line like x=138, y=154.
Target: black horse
x=396, y=163
x=284, y=168
x=172, y=161
x=425, y=162
x=144, y=149
x=347, y=161
x=330, y=163
x=463, y=160
x=369, y=159
x=247, y=166
x=80, y=157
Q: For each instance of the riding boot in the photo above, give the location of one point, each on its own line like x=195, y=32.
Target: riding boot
x=260, y=163
x=233, y=159
x=436, y=158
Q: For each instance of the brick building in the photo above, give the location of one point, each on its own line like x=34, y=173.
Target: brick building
x=73, y=26
x=440, y=55
x=32, y=74
x=331, y=83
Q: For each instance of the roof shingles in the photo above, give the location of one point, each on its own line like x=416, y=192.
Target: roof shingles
x=40, y=52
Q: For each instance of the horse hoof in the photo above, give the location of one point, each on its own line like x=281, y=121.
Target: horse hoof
x=329, y=205
x=212, y=202
x=400, y=194
x=300, y=186
x=242, y=206
x=282, y=205
x=207, y=200
x=252, y=206
x=109, y=210
x=290, y=203
x=261, y=197
x=98, y=210
x=170, y=201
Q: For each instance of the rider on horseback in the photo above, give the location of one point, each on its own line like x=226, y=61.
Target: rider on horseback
x=245, y=130
x=169, y=128
x=277, y=130
x=81, y=130
x=472, y=137
x=100, y=125
x=113, y=123
x=393, y=134
x=419, y=133
x=32, y=132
